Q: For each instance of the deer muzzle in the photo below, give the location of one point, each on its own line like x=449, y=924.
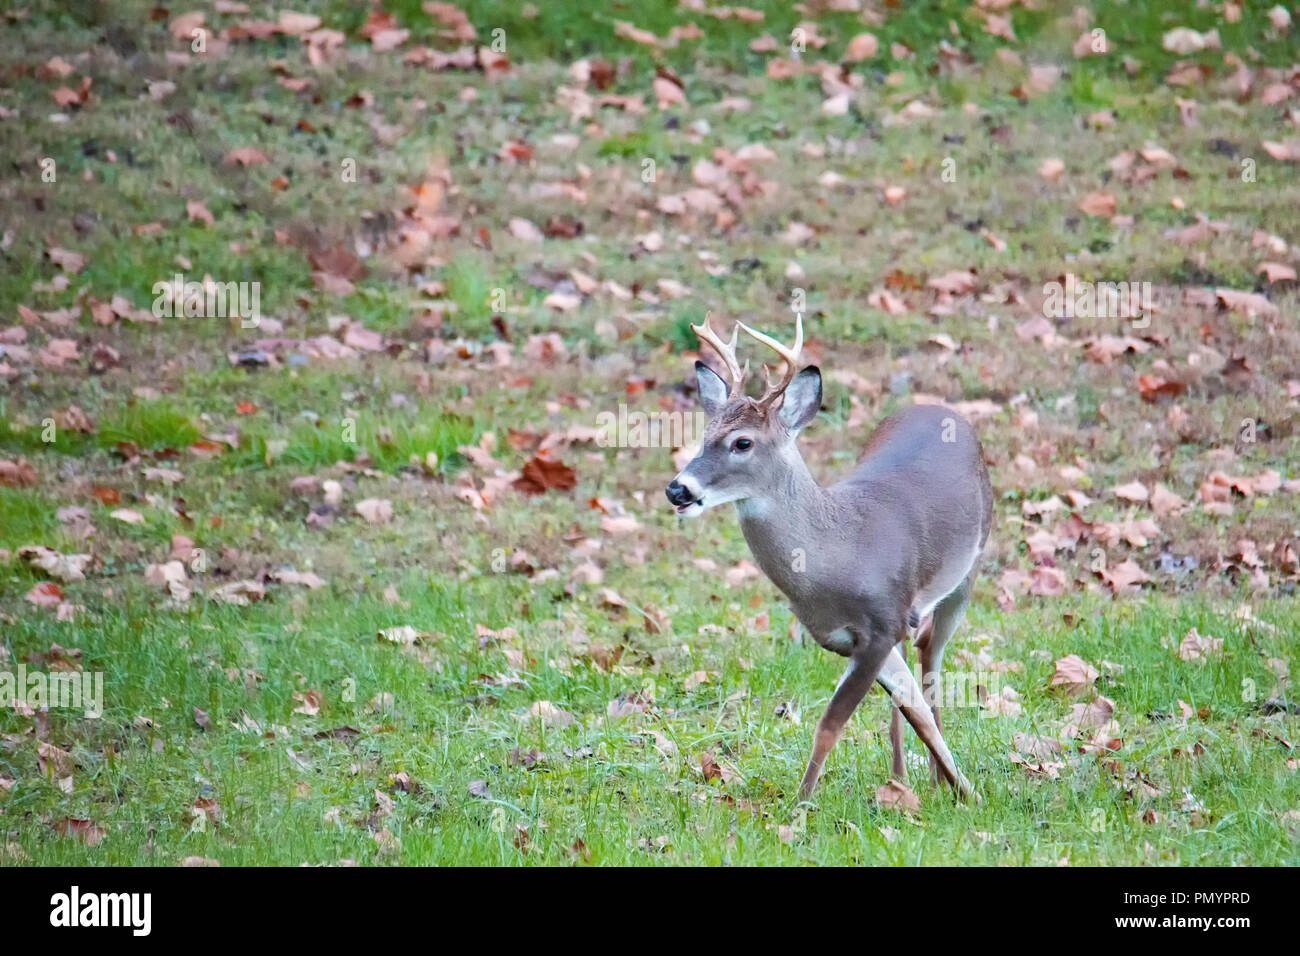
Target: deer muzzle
x=684, y=496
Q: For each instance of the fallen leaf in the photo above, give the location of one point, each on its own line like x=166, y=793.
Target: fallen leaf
x=1074, y=675
x=525, y=230
x=375, y=510
x=895, y=795
x=17, y=474
x=1133, y=491
x=1194, y=647
x=1103, y=205
x=87, y=831
x=542, y=474
x=1125, y=577
x=63, y=567
x=245, y=156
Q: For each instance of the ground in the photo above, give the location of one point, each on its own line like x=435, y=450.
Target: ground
x=365, y=583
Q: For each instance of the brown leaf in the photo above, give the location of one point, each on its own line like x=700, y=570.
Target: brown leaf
x=542, y=474
x=1125, y=577
x=1094, y=715
x=1074, y=675
x=710, y=766
x=375, y=510
x=337, y=261
x=524, y=229
x=46, y=594
x=1277, y=271
x=1099, y=204
x=551, y=715
x=87, y=831
x=183, y=25
x=668, y=93
x=864, y=46
x=563, y=227
x=308, y=703
x=957, y=282
x=1250, y=303
x=1052, y=169
x=63, y=567
x=1152, y=388
x=17, y=474
x=1287, y=152
x=65, y=259
x=54, y=759
x=1047, y=582
x=245, y=156
x=1194, y=647
x=198, y=212
x=239, y=593
x=1133, y=491
x=898, y=796
x=1164, y=501
x=57, y=352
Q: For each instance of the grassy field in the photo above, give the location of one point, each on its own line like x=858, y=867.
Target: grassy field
x=333, y=621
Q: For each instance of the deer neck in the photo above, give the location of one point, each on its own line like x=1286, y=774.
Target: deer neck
x=789, y=518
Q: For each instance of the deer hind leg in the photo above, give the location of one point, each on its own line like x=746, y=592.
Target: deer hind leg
x=948, y=615
x=898, y=758
x=863, y=667
x=898, y=680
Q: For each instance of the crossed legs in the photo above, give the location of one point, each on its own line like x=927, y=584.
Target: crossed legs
x=931, y=639
x=887, y=663
x=880, y=661
x=861, y=673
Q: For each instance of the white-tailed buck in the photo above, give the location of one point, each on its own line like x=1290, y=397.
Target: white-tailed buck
x=890, y=549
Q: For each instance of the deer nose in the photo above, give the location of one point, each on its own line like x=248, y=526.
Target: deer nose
x=678, y=493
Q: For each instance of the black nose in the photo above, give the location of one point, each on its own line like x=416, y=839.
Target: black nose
x=678, y=494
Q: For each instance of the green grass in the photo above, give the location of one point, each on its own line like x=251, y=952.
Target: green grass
x=389, y=444
x=455, y=714
x=290, y=795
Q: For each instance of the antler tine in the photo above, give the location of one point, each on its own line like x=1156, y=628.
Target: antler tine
x=790, y=354
x=726, y=351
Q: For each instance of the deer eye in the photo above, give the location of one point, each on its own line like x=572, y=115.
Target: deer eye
x=742, y=444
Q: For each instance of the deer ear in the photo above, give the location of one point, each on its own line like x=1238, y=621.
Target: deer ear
x=713, y=390
x=803, y=399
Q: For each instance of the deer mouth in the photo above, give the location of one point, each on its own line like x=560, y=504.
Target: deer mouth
x=691, y=508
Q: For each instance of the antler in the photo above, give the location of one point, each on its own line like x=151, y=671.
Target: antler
x=726, y=351
x=791, y=356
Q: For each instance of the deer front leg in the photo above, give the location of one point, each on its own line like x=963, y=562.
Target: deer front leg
x=898, y=680
x=853, y=686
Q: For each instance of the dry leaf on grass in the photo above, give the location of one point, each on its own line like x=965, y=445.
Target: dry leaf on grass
x=1074, y=675
x=87, y=831
x=898, y=796
x=544, y=474
x=550, y=715
x=1194, y=647
x=375, y=510
x=1103, y=205
x=62, y=567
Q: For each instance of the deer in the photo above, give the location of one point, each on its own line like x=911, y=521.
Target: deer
x=889, y=552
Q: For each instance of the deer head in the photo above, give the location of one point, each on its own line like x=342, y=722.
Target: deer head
x=748, y=447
